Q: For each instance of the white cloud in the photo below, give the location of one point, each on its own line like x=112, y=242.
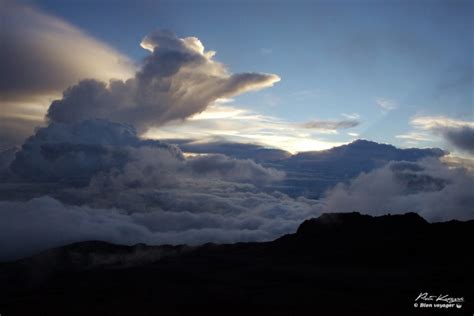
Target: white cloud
x=386, y=104
x=177, y=80
x=434, y=190
x=439, y=122
x=354, y=116
x=415, y=137
x=232, y=123
x=27, y=227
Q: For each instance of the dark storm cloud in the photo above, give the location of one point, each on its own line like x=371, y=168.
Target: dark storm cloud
x=75, y=152
x=458, y=133
x=331, y=125
x=462, y=138
x=177, y=80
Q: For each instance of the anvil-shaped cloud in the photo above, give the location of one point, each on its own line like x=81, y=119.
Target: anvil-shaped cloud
x=177, y=80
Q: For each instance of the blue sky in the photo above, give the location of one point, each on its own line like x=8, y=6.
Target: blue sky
x=336, y=59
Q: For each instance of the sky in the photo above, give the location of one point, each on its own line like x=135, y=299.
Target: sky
x=192, y=122
x=377, y=64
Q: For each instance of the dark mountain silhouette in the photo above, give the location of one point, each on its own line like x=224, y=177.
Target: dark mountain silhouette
x=337, y=264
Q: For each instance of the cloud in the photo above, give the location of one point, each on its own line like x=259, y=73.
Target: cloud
x=235, y=150
x=353, y=116
x=96, y=159
x=41, y=56
x=462, y=138
x=97, y=179
x=311, y=173
x=415, y=137
x=13, y=131
x=41, y=223
x=228, y=123
x=159, y=199
x=459, y=162
x=178, y=79
x=386, y=104
x=434, y=190
x=331, y=125
x=73, y=153
x=230, y=169
x=458, y=133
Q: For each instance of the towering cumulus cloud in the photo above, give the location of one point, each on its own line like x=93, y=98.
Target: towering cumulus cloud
x=178, y=79
x=95, y=178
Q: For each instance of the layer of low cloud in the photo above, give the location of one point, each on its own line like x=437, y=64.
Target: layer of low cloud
x=178, y=79
x=42, y=223
x=97, y=179
x=434, y=190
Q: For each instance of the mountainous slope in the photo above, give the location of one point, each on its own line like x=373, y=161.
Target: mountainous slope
x=340, y=263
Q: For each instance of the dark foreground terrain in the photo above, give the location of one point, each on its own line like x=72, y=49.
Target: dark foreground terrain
x=337, y=264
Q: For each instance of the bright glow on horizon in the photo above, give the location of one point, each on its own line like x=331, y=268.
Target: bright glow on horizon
x=233, y=124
